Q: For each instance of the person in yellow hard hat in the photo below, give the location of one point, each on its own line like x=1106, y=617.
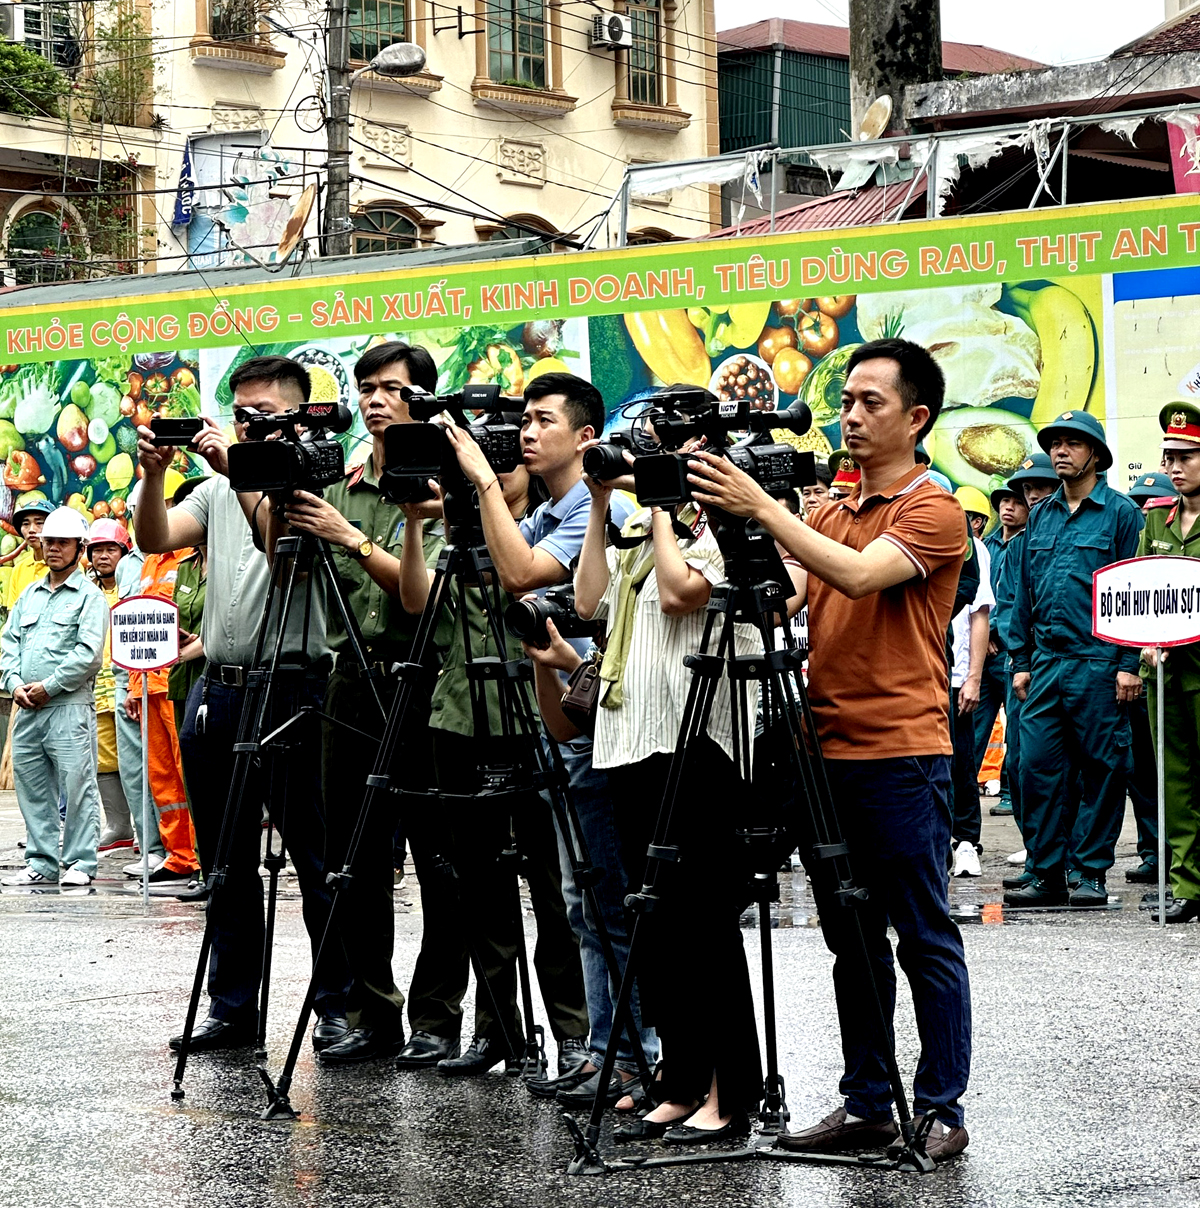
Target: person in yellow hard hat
x=978, y=509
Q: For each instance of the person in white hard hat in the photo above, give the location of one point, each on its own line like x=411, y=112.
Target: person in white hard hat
x=50, y=652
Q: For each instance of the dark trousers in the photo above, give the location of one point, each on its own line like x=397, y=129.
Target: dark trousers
x=365, y=920
x=1072, y=729
x=895, y=814
x=690, y=963
x=992, y=691
x=479, y=906
x=964, y=773
x=291, y=788
x=1143, y=784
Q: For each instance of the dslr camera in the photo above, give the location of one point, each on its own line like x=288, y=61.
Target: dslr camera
x=680, y=414
x=415, y=453
x=290, y=451
x=526, y=619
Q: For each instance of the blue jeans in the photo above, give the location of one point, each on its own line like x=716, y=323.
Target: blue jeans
x=593, y=805
x=895, y=814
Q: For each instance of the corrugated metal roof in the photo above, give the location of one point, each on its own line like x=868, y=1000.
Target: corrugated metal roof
x=1181, y=33
x=834, y=40
x=850, y=208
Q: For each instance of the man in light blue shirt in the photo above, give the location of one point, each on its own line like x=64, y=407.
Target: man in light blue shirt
x=50, y=651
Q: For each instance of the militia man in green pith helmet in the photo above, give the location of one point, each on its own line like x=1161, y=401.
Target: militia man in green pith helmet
x=1171, y=528
x=1076, y=688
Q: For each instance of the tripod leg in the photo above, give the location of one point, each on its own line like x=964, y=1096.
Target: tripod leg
x=274, y=862
x=533, y=1064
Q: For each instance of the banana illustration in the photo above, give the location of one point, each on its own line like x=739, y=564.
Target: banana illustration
x=1068, y=339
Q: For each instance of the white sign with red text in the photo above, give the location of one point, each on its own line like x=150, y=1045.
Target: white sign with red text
x=145, y=633
x=1147, y=602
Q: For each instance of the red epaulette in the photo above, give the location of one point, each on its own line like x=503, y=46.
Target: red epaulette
x=1163, y=501
x=354, y=476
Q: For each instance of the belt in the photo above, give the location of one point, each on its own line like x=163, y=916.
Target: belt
x=349, y=669
x=223, y=673
x=236, y=676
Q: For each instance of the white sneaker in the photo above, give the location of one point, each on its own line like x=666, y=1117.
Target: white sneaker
x=966, y=860
x=1018, y=857
x=992, y=788
x=138, y=866
x=28, y=876
x=73, y=876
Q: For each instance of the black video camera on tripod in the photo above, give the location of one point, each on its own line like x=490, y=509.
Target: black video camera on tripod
x=415, y=453
x=680, y=414
x=290, y=451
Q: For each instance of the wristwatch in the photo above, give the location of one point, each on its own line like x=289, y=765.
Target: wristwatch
x=362, y=549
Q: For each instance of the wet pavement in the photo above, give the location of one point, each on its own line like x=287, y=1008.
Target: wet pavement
x=1085, y=1087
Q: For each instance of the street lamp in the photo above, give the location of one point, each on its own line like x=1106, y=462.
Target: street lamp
x=394, y=62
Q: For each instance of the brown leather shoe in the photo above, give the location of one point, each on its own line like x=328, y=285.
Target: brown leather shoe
x=942, y=1143
x=834, y=1135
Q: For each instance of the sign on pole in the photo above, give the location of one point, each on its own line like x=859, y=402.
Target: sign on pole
x=144, y=637
x=145, y=633
x=1150, y=602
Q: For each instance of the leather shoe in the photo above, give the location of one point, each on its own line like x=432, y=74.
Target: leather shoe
x=362, y=1044
x=1018, y=882
x=687, y=1134
x=482, y=1054
x=424, y=1050
x=835, y=1135
x=1089, y=892
x=1001, y=811
x=212, y=1033
x=1146, y=873
x=547, y=1088
x=942, y=1142
x=1181, y=910
x=330, y=1029
x=644, y=1130
x=1037, y=893
x=584, y=1094
x=572, y=1053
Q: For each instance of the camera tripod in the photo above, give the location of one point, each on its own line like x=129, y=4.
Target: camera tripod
x=753, y=594
x=295, y=558
x=529, y=766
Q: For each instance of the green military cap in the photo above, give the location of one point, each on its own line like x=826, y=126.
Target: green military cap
x=1150, y=486
x=1180, y=423
x=1079, y=423
x=1008, y=489
x=844, y=468
x=1037, y=467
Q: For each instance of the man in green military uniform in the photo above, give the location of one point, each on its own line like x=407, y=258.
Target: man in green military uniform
x=1171, y=528
x=1076, y=689
x=366, y=533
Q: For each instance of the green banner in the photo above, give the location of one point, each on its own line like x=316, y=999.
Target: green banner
x=1089, y=240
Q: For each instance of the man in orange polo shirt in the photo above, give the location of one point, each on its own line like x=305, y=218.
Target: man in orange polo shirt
x=883, y=566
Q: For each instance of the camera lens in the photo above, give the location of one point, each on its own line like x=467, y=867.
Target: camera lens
x=603, y=462
x=526, y=619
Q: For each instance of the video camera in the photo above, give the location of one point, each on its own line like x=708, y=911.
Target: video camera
x=300, y=457
x=681, y=414
x=526, y=619
x=415, y=453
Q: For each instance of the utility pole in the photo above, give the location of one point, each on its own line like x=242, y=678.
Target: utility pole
x=337, y=227
x=893, y=43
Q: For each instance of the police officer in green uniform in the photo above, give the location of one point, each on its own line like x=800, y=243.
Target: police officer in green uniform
x=366, y=533
x=1075, y=688
x=1171, y=528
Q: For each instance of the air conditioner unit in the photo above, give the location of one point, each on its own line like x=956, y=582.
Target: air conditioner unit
x=611, y=31
x=12, y=22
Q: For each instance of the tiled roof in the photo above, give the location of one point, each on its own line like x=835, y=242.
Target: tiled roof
x=1181, y=33
x=834, y=42
x=850, y=208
